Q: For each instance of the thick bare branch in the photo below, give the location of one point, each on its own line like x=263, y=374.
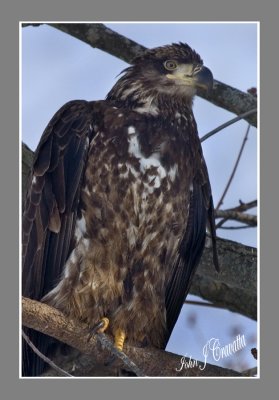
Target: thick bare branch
x=235, y=286
x=232, y=99
x=98, y=35
x=152, y=361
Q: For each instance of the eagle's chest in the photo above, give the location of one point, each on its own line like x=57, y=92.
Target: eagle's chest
x=132, y=217
x=135, y=187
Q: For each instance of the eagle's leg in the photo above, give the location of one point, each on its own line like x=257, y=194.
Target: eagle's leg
x=119, y=338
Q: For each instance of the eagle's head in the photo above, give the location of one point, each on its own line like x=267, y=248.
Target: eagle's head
x=162, y=74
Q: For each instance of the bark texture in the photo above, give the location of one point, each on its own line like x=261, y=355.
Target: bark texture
x=150, y=361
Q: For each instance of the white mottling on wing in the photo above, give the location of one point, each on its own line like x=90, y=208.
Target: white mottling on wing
x=85, y=243
x=147, y=239
x=132, y=234
x=34, y=180
x=94, y=284
x=146, y=162
x=55, y=290
x=131, y=130
x=73, y=257
x=78, y=234
x=120, y=115
x=133, y=171
x=191, y=187
x=80, y=228
x=157, y=182
x=152, y=161
x=178, y=117
x=172, y=172
x=134, y=149
x=81, y=224
x=71, y=260
x=168, y=207
x=86, y=190
x=145, y=273
x=130, y=305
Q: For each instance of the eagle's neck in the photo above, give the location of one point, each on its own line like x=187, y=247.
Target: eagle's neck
x=138, y=96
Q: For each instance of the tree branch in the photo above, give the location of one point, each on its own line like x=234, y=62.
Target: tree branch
x=238, y=209
x=98, y=35
x=248, y=219
x=235, y=286
x=244, y=206
x=153, y=362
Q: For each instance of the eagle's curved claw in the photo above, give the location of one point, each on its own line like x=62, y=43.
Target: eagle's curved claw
x=102, y=325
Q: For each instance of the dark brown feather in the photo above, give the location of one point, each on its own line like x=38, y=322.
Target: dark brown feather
x=47, y=230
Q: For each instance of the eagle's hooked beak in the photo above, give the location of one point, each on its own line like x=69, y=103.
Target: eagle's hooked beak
x=203, y=79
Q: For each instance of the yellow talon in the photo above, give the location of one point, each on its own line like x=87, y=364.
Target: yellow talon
x=105, y=324
x=119, y=338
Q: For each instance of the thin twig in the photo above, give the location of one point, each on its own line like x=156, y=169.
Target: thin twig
x=228, y=123
x=43, y=357
x=240, y=208
x=245, y=218
x=234, y=169
x=244, y=206
x=200, y=303
x=236, y=227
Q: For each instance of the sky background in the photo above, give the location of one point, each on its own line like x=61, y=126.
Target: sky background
x=57, y=68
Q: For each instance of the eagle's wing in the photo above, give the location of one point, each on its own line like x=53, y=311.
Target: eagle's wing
x=200, y=215
x=51, y=207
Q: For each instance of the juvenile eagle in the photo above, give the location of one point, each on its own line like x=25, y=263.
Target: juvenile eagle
x=119, y=199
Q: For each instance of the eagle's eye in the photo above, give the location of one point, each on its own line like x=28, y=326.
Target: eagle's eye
x=170, y=65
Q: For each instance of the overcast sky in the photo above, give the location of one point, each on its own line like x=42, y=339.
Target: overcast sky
x=57, y=68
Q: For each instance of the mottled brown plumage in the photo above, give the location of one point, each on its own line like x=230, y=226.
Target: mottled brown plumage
x=119, y=199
